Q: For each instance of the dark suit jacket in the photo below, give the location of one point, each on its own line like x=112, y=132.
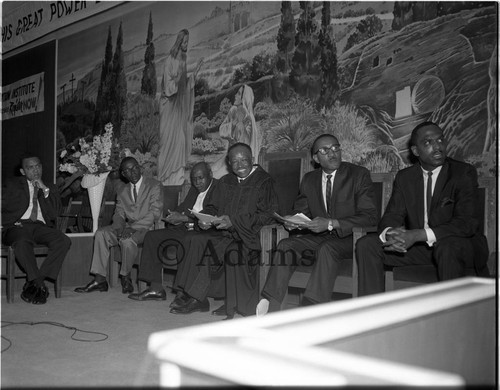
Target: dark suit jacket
x=16, y=199
x=353, y=199
x=191, y=197
x=453, y=207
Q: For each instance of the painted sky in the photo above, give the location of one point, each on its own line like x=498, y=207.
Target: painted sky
x=168, y=17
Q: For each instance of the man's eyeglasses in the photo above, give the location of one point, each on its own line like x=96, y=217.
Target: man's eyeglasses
x=325, y=149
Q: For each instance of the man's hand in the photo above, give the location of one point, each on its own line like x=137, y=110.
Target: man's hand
x=175, y=218
x=204, y=225
x=400, y=240
x=127, y=233
x=40, y=184
x=290, y=225
x=317, y=225
x=223, y=223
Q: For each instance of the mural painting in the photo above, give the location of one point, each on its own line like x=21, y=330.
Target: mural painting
x=181, y=81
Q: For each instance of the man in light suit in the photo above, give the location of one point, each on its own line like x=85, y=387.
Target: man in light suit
x=157, y=243
x=336, y=197
x=29, y=214
x=138, y=207
x=430, y=218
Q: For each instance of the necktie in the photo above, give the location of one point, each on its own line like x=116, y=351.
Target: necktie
x=135, y=193
x=328, y=192
x=429, y=192
x=34, y=210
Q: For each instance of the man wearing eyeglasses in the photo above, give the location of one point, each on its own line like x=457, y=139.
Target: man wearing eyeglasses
x=336, y=197
x=138, y=206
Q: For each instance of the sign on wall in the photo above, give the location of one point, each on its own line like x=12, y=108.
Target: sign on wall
x=24, y=21
x=25, y=96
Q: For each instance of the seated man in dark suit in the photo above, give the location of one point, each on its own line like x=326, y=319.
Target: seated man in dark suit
x=138, y=207
x=336, y=197
x=29, y=216
x=157, y=243
x=430, y=218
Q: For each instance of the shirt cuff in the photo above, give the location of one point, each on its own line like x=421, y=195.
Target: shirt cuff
x=431, y=237
x=382, y=235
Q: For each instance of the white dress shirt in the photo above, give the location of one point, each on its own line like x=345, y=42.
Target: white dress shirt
x=27, y=213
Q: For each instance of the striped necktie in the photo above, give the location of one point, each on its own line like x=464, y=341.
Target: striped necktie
x=34, y=210
x=328, y=192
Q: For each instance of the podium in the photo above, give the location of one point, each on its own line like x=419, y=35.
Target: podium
x=442, y=334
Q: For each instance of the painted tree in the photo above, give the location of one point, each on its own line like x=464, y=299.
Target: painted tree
x=365, y=29
x=117, y=92
x=304, y=75
x=285, y=38
x=148, y=83
x=329, y=79
x=101, y=105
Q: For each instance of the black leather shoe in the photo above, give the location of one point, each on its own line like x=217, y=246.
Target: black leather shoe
x=127, y=286
x=192, y=306
x=29, y=291
x=228, y=317
x=221, y=311
x=93, y=286
x=180, y=299
x=41, y=296
x=149, y=295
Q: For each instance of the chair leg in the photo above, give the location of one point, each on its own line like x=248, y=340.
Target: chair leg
x=58, y=285
x=389, y=280
x=113, y=267
x=11, y=270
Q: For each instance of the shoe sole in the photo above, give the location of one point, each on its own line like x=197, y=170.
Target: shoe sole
x=26, y=299
x=149, y=299
x=190, y=312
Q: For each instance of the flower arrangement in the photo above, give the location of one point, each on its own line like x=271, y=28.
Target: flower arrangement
x=92, y=158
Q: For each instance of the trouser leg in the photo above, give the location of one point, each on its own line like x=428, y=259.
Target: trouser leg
x=328, y=256
x=58, y=244
x=452, y=256
x=104, y=238
x=130, y=253
x=152, y=256
x=290, y=253
x=372, y=257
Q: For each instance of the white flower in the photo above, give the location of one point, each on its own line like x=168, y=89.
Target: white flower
x=64, y=153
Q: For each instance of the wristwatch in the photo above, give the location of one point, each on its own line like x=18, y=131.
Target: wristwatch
x=330, y=225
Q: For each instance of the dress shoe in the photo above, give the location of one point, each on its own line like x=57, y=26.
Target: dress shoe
x=221, y=311
x=93, y=286
x=29, y=291
x=127, y=286
x=41, y=296
x=228, y=317
x=180, y=299
x=192, y=306
x=149, y=295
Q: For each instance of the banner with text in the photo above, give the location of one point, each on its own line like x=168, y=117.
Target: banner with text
x=23, y=97
x=24, y=21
